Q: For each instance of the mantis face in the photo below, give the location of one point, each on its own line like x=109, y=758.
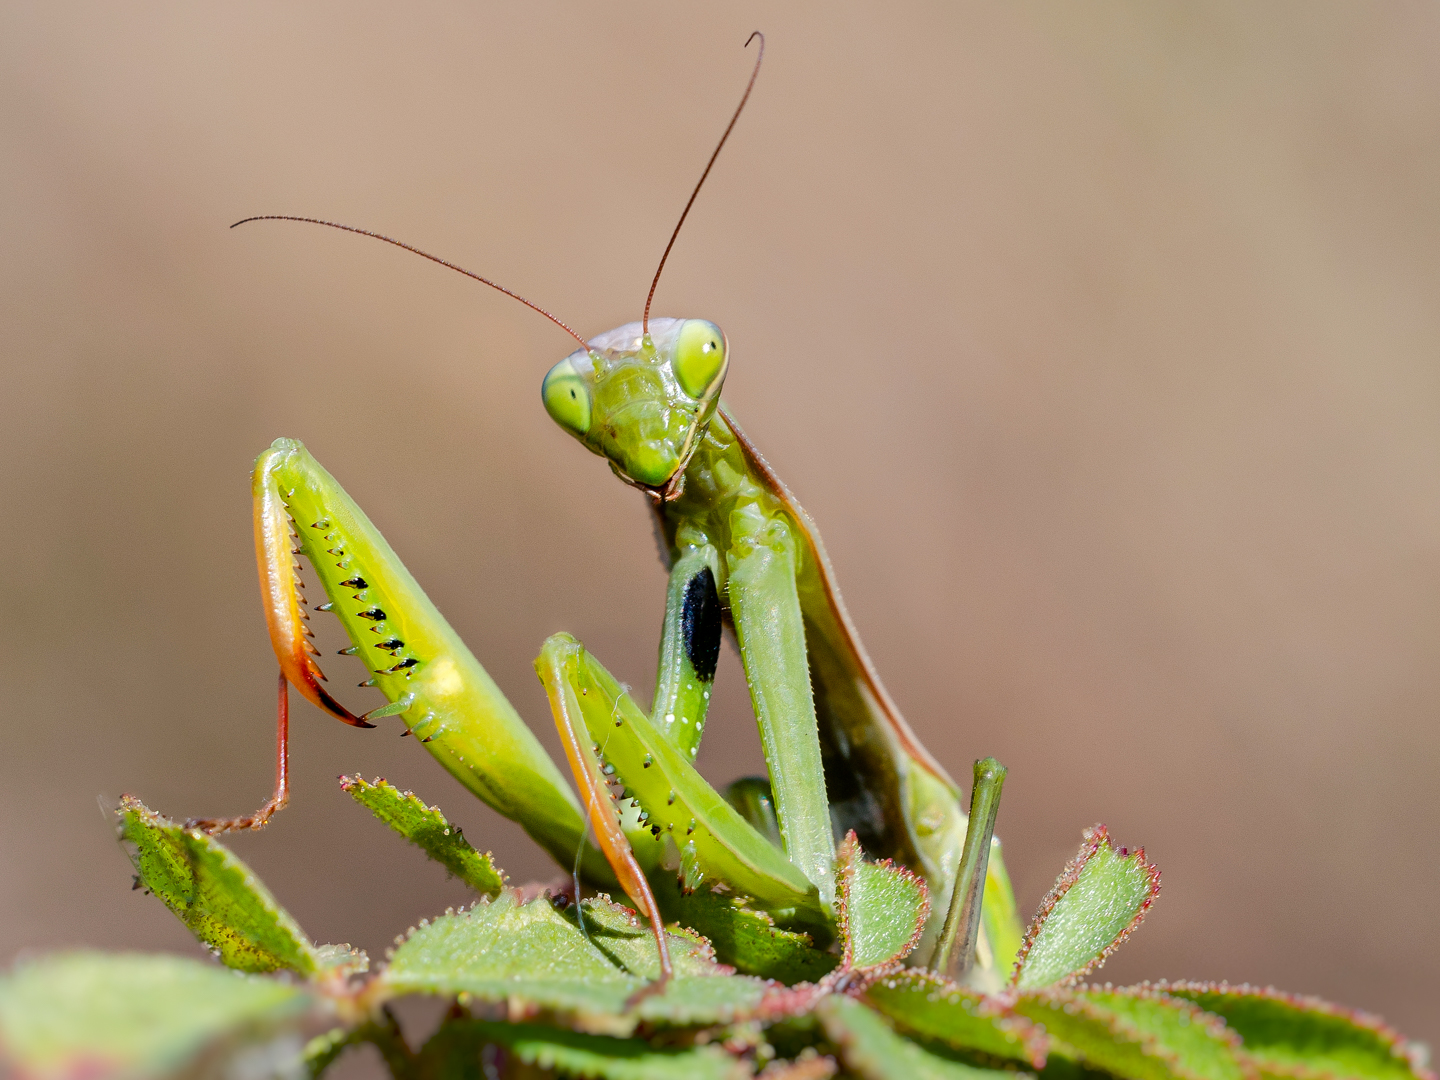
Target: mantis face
x=641, y=400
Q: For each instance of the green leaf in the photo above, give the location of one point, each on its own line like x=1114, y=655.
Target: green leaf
x=746, y=938
x=934, y=1008
x=454, y=1050
x=1294, y=1036
x=1136, y=1033
x=427, y=828
x=130, y=1015
x=217, y=896
x=538, y=961
x=1095, y=904
x=627, y=941
x=872, y=1050
x=882, y=908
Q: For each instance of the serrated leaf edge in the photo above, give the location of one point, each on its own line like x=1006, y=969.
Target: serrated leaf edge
x=348, y=784
x=777, y=1002
x=704, y=949
x=132, y=804
x=1093, y=839
x=846, y=859
x=1031, y=1035
x=1400, y=1047
x=1125, y=1028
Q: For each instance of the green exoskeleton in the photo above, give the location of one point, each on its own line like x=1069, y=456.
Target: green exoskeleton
x=742, y=553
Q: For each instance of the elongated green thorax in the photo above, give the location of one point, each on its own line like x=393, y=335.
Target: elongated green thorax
x=808, y=671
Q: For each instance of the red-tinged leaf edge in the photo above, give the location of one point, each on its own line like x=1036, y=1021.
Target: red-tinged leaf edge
x=1412, y=1055
x=1073, y=1000
x=1093, y=839
x=999, y=1007
x=783, y=1002
x=847, y=859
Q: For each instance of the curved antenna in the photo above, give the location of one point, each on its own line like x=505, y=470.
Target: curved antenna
x=424, y=255
x=645, y=321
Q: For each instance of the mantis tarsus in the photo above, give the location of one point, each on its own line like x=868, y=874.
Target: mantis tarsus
x=646, y=396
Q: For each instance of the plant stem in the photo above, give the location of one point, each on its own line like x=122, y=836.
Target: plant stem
x=955, y=949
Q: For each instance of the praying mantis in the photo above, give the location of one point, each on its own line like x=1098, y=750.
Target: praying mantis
x=741, y=552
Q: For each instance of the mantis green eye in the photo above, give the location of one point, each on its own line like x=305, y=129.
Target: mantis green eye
x=567, y=398
x=699, y=361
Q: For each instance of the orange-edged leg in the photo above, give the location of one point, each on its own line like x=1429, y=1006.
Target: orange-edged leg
x=280, y=593
x=557, y=672
x=276, y=801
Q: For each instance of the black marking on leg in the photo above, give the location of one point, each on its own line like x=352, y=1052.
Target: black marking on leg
x=391, y=645
x=700, y=624
x=356, y=582
x=374, y=614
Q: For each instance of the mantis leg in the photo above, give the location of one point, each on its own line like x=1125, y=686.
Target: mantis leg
x=765, y=605
x=688, y=827
x=430, y=678
x=689, y=649
x=277, y=801
x=558, y=668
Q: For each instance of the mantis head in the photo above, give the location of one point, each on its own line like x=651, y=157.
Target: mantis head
x=641, y=400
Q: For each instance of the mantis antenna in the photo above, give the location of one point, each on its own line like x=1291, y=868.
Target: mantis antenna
x=645, y=320
x=655, y=281
x=433, y=258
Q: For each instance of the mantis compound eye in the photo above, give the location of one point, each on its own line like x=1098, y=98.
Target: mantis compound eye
x=567, y=398
x=699, y=359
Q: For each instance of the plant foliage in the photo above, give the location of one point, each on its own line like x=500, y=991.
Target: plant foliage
x=543, y=985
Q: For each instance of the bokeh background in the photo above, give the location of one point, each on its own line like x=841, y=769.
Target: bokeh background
x=1101, y=340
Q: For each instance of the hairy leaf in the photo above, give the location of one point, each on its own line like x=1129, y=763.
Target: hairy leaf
x=746, y=938
x=455, y=1049
x=429, y=830
x=1095, y=904
x=934, y=1008
x=129, y=1015
x=872, y=1050
x=214, y=894
x=882, y=908
x=539, y=962
x=1137, y=1033
x=1291, y=1035
x=627, y=941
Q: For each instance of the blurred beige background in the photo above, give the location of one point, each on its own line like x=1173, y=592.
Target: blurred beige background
x=1100, y=339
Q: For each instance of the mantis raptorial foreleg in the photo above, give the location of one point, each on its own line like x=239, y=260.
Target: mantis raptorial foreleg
x=430, y=678
x=558, y=667
x=443, y=695
x=692, y=830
